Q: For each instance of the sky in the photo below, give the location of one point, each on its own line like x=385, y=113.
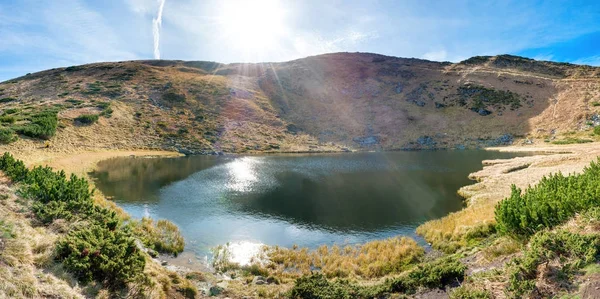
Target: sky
x=40, y=34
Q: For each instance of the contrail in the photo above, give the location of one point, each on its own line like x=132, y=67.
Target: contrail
x=156, y=24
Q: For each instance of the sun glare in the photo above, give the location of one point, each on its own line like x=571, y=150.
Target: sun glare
x=255, y=26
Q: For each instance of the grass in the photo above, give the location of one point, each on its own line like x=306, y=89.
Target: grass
x=572, y=141
x=369, y=260
x=162, y=236
x=435, y=274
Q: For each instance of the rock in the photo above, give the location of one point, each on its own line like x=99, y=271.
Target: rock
x=460, y=147
x=152, y=253
x=482, y=111
x=215, y=291
x=366, y=140
x=439, y=105
x=426, y=141
x=163, y=263
x=399, y=88
x=259, y=280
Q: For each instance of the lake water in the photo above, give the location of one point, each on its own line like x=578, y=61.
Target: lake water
x=307, y=200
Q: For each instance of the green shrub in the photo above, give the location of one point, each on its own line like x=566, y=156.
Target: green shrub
x=172, y=97
x=97, y=253
x=316, y=286
x=87, y=119
x=7, y=136
x=7, y=100
x=597, y=130
x=595, y=104
x=43, y=125
x=101, y=250
x=14, y=169
x=8, y=119
x=438, y=273
x=552, y=201
x=11, y=111
x=572, y=251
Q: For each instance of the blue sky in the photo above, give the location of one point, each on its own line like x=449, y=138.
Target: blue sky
x=37, y=35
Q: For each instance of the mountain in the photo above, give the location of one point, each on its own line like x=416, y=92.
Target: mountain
x=331, y=102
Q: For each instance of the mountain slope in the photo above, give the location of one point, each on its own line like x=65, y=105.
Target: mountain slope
x=330, y=102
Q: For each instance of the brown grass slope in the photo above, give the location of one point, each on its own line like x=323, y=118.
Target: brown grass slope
x=323, y=103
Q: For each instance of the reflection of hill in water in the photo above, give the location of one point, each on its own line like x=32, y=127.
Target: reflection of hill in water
x=140, y=179
x=367, y=201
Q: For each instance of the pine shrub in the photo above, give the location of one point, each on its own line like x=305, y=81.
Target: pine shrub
x=554, y=200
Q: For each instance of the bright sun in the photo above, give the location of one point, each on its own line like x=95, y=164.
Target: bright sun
x=255, y=26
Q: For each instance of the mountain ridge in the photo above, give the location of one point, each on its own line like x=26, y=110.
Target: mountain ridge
x=329, y=102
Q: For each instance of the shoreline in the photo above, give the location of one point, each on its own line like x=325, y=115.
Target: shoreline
x=492, y=182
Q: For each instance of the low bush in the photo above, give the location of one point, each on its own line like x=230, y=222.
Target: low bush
x=316, y=286
x=435, y=274
x=7, y=136
x=11, y=111
x=87, y=119
x=43, y=125
x=566, y=251
x=7, y=100
x=97, y=253
x=8, y=119
x=552, y=201
x=101, y=250
x=597, y=130
x=13, y=168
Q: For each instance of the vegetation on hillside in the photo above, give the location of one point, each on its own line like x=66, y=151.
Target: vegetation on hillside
x=99, y=247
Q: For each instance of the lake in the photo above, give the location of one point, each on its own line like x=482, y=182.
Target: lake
x=305, y=200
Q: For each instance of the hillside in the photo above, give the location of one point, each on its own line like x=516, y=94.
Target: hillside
x=332, y=102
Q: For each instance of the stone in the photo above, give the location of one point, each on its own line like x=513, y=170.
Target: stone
x=259, y=280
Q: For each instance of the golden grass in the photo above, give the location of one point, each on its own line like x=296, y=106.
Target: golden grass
x=448, y=233
x=370, y=260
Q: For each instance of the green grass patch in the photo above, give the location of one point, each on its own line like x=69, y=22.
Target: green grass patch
x=572, y=141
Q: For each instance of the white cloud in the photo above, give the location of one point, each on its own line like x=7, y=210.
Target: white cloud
x=592, y=60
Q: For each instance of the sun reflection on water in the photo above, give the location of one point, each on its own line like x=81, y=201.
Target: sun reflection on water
x=242, y=174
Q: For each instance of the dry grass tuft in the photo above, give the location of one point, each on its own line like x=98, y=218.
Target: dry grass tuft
x=370, y=260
